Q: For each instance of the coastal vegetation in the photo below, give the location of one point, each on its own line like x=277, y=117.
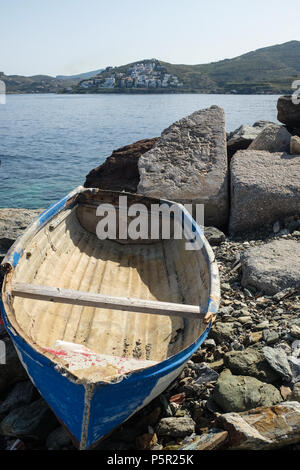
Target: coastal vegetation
x=270, y=70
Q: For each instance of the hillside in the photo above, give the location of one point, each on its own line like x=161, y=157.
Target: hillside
x=34, y=84
x=268, y=70
x=79, y=76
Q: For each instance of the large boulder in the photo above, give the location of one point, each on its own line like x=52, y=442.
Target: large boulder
x=188, y=164
x=250, y=362
x=288, y=112
x=273, y=138
x=272, y=267
x=265, y=187
x=295, y=145
x=241, y=138
x=263, y=428
x=13, y=222
x=120, y=171
x=241, y=393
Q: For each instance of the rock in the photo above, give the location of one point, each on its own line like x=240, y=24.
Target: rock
x=21, y=394
x=146, y=441
x=12, y=371
x=178, y=398
x=277, y=359
x=120, y=171
x=286, y=392
x=273, y=138
x=35, y=421
x=13, y=222
x=250, y=362
x=295, y=145
x=241, y=138
x=265, y=187
x=294, y=364
x=268, y=427
x=222, y=332
x=262, y=325
x=288, y=112
x=296, y=392
x=254, y=337
x=58, y=438
x=214, y=236
x=175, y=427
x=209, y=441
x=205, y=374
x=295, y=331
x=270, y=337
x=189, y=165
x=296, y=348
x=272, y=267
x=241, y=393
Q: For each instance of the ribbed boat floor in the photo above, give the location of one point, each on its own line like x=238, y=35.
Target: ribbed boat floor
x=70, y=257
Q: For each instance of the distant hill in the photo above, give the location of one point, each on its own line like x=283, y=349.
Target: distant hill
x=79, y=76
x=34, y=84
x=268, y=70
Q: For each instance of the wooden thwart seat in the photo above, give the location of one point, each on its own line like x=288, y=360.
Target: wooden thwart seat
x=88, y=299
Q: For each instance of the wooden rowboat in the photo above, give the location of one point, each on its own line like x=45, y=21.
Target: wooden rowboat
x=102, y=327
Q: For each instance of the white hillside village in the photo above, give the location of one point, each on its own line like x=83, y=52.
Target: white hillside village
x=145, y=74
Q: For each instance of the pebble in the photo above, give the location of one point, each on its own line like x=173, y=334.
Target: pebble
x=295, y=331
x=270, y=337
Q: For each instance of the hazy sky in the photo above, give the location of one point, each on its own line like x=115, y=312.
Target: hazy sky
x=71, y=36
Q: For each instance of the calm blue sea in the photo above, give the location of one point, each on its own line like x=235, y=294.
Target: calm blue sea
x=48, y=143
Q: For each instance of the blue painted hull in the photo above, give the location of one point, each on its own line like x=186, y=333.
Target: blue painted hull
x=90, y=411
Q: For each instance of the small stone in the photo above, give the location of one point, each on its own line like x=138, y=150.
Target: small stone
x=270, y=337
x=245, y=320
x=247, y=292
x=286, y=392
x=21, y=394
x=176, y=427
x=255, y=337
x=165, y=405
x=277, y=359
x=296, y=348
x=222, y=332
x=146, y=441
x=179, y=398
x=35, y=420
x=209, y=343
x=58, y=439
x=295, y=368
x=214, y=236
x=296, y=392
x=262, y=325
x=276, y=227
x=295, y=331
x=225, y=286
x=205, y=374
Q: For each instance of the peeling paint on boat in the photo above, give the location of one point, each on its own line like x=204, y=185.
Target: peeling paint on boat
x=90, y=410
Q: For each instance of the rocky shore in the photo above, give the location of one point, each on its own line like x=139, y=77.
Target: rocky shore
x=241, y=390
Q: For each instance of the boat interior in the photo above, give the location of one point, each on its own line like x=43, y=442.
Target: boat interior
x=67, y=253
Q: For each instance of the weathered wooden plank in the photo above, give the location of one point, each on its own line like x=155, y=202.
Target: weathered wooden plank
x=88, y=299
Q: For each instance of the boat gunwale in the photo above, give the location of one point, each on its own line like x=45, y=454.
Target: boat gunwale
x=15, y=252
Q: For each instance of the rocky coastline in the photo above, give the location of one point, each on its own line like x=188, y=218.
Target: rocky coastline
x=241, y=390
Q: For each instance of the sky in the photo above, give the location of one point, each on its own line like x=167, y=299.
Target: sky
x=73, y=36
